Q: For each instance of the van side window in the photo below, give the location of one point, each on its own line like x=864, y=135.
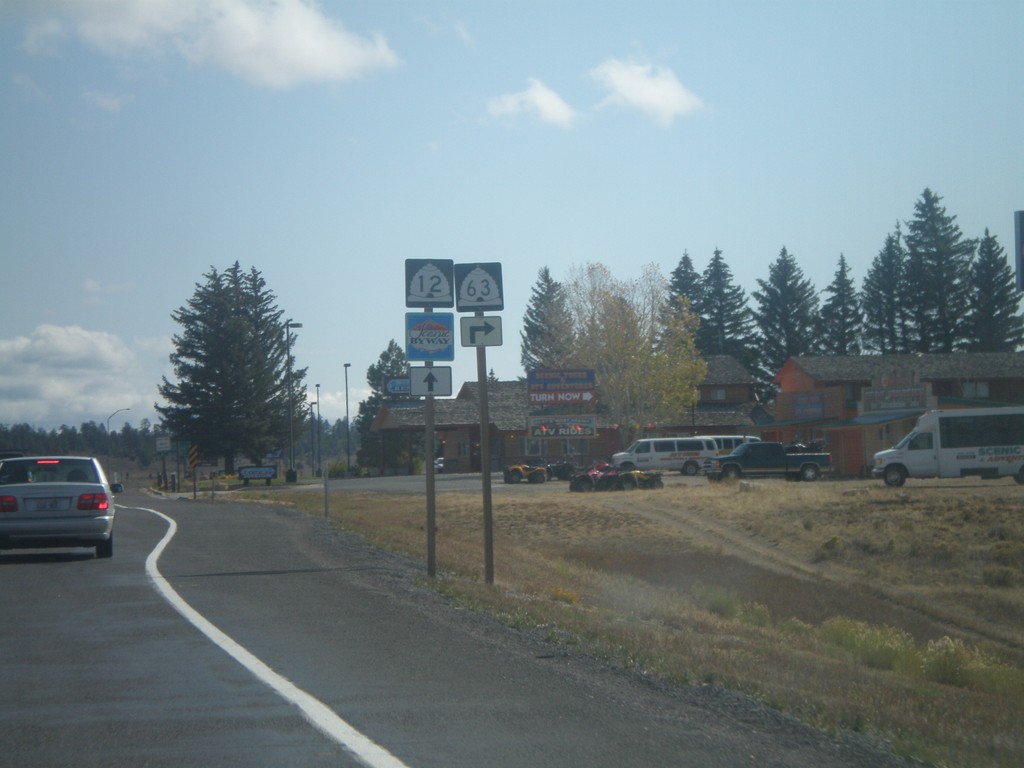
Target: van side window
x=643, y=448
x=688, y=445
x=922, y=442
x=664, y=446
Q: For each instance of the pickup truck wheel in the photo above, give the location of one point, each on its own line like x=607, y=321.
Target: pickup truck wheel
x=730, y=472
x=809, y=472
x=895, y=476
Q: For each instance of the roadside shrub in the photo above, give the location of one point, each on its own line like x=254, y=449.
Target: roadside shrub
x=563, y=595
x=948, y=661
x=1000, y=576
x=755, y=614
x=880, y=647
x=832, y=549
x=1009, y=553
x=720, y=601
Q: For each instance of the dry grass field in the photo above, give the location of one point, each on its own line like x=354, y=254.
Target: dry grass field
x=896, y=612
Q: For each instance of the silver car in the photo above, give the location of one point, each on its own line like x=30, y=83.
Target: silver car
x=56, y=501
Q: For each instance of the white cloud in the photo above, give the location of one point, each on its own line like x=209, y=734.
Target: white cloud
x=105, y=101
x=69, y=375
x=272, y=43
x=654, y=90
x=29, y=88
x=538, y=100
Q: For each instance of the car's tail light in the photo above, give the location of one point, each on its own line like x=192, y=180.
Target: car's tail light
x=94, y=501
x=8, y=503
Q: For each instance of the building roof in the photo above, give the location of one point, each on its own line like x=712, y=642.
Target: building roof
x=725, y=370
x=928, y=367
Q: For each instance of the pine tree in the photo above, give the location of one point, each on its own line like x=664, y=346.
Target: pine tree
x=786, y=317
x=726, y=322
x=938, y=277
x=381, y=449
x=884, y=297
x=994, y=322
x=841, y=316
x=546, y=338
x=685, y=282
x=232, y=364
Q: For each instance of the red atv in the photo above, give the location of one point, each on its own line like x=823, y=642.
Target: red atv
x=604, y=477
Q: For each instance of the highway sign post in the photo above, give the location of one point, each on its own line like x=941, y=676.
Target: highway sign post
x=429, y=336
x=478, y=289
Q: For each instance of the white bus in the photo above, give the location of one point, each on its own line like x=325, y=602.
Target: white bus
x=980, y=442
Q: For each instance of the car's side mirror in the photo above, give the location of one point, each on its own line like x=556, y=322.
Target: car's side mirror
x=117, y=488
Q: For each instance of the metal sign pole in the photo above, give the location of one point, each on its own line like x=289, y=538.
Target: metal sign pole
x=431, y=502
x=485, y=462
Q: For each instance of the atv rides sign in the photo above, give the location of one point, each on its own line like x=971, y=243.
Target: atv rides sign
x=563, y=427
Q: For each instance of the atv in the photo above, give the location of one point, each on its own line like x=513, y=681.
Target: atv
x=604, y=477
x=532, y=473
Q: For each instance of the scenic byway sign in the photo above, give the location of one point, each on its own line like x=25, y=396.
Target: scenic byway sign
x=429, y=336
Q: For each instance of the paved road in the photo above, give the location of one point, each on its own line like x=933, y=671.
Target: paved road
x=98, y=668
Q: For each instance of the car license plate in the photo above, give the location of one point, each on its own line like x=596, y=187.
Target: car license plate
x=56, y=504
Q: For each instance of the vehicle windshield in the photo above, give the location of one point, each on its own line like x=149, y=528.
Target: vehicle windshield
x=13, y=471
x=902, y=444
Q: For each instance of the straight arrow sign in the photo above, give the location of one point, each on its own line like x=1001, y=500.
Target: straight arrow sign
x=480, y=331
x=435, y=381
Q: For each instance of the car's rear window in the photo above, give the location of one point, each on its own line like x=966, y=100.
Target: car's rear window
x=47, y=471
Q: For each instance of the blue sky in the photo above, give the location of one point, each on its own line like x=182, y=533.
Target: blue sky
x=144, y=142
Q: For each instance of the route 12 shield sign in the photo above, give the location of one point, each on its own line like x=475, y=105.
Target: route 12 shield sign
x=428, y=283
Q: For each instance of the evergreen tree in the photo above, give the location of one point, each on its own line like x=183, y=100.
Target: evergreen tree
x=685, y=282
x=382, y=449
x=546, y=338
x=841, y=316
x=726, y=322
x=994, y=322
x=884, y=297
x=786, y=317
x=232, y=366
x=938, y=277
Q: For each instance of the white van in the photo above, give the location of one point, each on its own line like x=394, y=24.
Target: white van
x=728, y=443
x=689, y=455
x=980, y=442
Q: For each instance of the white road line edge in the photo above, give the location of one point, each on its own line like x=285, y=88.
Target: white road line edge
x=319, y=714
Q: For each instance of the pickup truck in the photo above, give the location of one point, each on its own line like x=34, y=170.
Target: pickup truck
x=765, y=459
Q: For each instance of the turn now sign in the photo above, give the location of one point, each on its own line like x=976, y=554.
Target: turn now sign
x=561, y=398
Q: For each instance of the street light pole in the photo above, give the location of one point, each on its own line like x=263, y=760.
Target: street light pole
x=348, y=428
x=291, y=396
x=312, y=438
x=110, y=442
x=319, y=448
